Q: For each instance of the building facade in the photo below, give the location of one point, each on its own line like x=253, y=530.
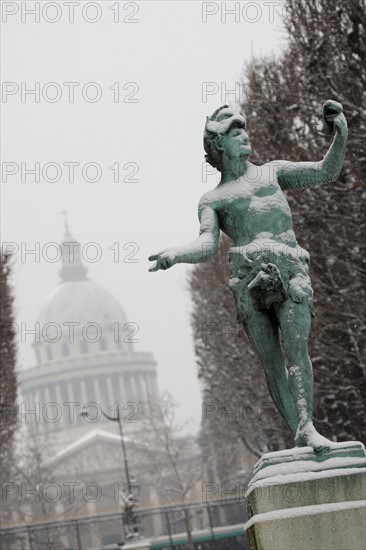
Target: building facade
x=85, y=362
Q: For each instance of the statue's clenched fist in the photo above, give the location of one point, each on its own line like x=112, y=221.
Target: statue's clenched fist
x=333, y=117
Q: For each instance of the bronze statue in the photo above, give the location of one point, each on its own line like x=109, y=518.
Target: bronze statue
x=269, y=270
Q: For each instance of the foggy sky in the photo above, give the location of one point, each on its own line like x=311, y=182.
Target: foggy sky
x=162, y=59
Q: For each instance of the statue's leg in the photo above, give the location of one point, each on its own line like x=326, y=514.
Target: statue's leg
x=262, y=330
x=295, y=321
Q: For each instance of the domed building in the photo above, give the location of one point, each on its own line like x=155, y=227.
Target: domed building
x=84, y=352
x=85, y=360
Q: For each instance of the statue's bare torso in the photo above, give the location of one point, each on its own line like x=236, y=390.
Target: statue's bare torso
x=252, y=207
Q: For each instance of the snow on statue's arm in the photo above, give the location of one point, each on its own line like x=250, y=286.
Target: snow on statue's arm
x=199, y=250
x=300, y=175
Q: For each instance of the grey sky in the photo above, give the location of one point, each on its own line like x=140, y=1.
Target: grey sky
x=169, y=53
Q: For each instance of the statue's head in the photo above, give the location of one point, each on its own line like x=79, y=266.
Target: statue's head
x=218, y=128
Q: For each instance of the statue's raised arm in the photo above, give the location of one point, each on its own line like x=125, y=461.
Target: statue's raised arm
x=300, y=175
x=197, y=251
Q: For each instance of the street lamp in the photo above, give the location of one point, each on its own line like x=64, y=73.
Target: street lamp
x=130, y=501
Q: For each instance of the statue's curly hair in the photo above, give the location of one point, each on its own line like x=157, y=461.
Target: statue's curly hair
x=210, y=142
x=213, y=154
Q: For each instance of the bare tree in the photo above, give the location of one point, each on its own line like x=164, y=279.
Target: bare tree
x=8, y=377
x=34, y=489
x=30, y=475
x=173, y=456
x=172, y=452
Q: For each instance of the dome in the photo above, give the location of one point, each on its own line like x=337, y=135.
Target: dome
x=83, y=302
x=79, y=316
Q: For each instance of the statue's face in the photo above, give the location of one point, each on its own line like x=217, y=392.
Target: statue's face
x=235, y=143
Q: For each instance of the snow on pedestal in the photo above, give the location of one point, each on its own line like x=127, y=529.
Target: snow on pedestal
x=306, y=500
x=138, y=544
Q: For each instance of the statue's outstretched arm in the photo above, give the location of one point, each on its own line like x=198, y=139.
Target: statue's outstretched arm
x=300, y=175
x=199, y=250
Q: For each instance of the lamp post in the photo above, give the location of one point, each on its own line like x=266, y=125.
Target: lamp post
x=129, y=500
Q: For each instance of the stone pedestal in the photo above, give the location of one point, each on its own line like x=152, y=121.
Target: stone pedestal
x=139, y=544
x=308, y=501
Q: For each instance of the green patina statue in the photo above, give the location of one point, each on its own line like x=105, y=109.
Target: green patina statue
x=269, y=270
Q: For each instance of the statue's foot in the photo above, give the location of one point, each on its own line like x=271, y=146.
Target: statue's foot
x=307, y=436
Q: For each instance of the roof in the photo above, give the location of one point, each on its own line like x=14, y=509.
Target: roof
x=85, y=441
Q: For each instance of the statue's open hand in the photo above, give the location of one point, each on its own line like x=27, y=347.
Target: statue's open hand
x=163, y=260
